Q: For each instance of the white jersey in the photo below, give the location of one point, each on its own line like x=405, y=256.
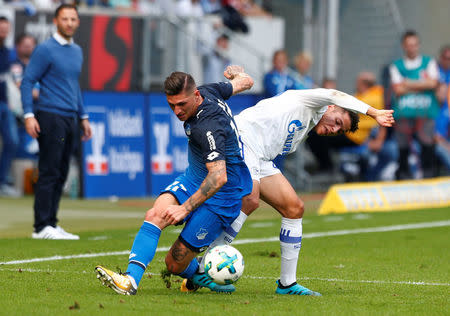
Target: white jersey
x=277, y=125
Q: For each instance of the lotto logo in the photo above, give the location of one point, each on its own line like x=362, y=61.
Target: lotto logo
x=212, y=155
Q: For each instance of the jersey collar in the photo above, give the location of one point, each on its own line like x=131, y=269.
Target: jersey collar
x=61, y=40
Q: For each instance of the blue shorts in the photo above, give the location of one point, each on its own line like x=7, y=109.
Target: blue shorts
x=204, y=224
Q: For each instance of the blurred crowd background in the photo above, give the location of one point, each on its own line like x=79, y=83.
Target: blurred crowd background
x=387, y=53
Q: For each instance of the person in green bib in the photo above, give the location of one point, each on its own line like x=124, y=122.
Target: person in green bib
x=414, y=80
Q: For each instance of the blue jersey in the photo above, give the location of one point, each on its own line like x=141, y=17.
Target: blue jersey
x=212, y=136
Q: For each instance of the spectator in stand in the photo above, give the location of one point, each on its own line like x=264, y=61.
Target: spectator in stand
x=189, y=8
x=123, y=5
x=215, y=61
x=443, y=138
x=8, y=126
x=329, y=83
x=414, y=81
x=211, y=6
x=381, y=152
x=443, y=121
x=24, y=44
x=250, y=8
x=444, y=75
x=231, y=17
x=303, y=62
x=279, y=79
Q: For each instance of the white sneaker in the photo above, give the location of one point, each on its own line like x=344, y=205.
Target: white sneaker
x=68, y=235
x=48, y=232
x=8, y=191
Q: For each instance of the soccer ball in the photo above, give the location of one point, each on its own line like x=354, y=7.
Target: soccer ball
x=224, y=264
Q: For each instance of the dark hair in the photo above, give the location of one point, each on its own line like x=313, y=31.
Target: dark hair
x=178, y=82
x=3, y=18
x=22, y=36
x=409, y=33
x=223, y=36
x=354, y=120
x=444, y=48
x=65, y=6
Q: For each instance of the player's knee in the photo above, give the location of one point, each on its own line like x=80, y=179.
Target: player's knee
x=250, y=203
x=153, y=215
x=295, y=209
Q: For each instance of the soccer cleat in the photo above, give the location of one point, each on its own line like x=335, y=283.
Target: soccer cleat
x=203, y=280
x=295, y=289
x=121, y=283
x=68, y=235
x=188, y=286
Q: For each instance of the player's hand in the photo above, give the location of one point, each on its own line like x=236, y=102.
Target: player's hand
x=385, y=117
x=32, y=127
x=175, y=214
x=87, y=130
x=232, y=71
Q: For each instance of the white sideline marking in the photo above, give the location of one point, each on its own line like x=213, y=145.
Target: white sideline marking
x=251, y=240
x=255, y=277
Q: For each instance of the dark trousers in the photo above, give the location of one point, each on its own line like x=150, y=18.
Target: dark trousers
x=421, y=129
x=56, y=141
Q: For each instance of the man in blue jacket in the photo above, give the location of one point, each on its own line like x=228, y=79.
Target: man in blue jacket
x=56, y=65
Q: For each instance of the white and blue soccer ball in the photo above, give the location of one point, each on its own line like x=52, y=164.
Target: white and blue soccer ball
x=224, y=264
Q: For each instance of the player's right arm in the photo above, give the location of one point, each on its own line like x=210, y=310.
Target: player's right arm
x=214, y=180
x=240, y=80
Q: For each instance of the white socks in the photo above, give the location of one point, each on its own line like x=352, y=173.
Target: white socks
x=226, y=237
x=290, y=242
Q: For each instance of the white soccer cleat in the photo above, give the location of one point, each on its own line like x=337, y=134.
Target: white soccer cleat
x=49, y=232
x=68, y=235
x=120, y=283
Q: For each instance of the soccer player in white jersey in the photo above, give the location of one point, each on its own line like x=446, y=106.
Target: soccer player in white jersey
x=277, y=126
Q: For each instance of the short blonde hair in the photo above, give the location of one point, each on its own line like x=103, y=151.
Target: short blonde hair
x=303, y=56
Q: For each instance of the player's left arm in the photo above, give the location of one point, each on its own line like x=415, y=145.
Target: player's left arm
x=239, y=79
x=215, y=179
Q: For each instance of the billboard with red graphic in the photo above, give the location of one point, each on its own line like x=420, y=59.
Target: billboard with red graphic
x=112, y=48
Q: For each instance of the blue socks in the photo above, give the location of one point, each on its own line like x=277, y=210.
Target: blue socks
x=190, y=270
x=143, y=250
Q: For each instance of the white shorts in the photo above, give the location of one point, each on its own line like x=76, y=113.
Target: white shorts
x=258, y=168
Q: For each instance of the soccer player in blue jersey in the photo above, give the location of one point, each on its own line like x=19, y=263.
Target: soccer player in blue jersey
x=207, y=197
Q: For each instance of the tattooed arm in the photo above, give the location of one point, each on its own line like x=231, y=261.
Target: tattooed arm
x=215, y=179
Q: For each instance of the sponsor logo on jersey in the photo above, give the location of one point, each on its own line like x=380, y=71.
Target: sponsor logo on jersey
x=201, y=234
x=294, y=126
x=213, y=155
x=187, y=129
x=211, y=141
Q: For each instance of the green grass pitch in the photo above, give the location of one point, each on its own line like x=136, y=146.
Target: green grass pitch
x=398, y=272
